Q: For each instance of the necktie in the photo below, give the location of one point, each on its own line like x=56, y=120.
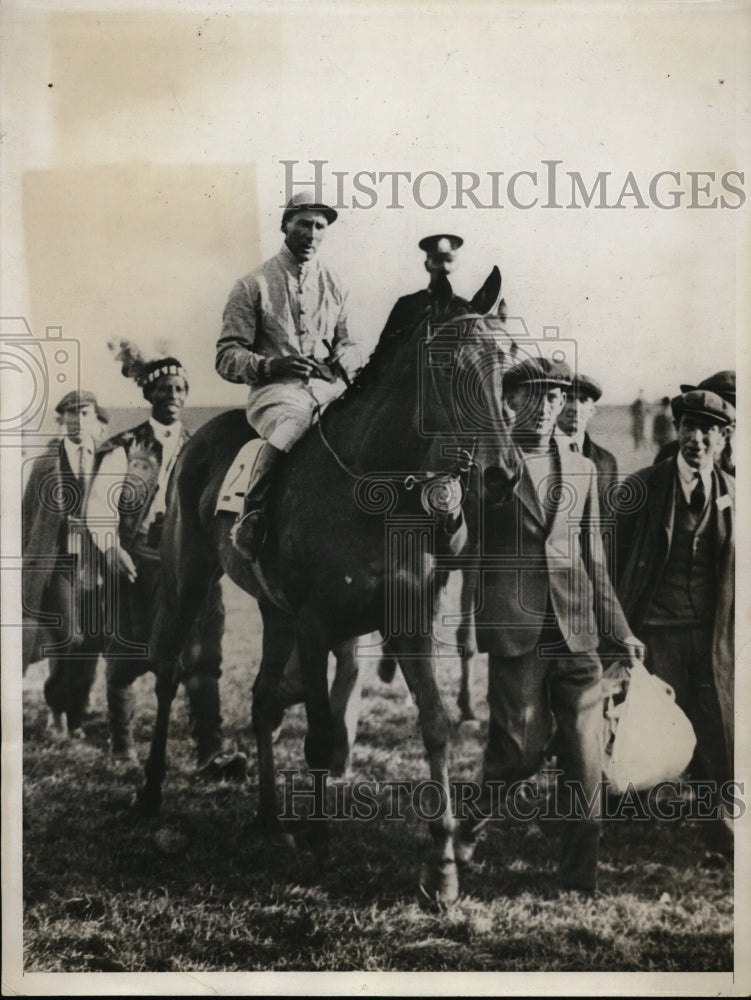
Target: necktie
x=698, y=495
x=574, y=446
x=81, y=463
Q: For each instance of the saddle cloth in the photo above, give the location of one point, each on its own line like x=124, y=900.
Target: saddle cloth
x=235, y=484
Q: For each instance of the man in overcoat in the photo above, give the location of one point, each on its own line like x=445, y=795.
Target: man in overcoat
x=675, y=545
x=61, y=584
x=125, y=515
x=545, y=605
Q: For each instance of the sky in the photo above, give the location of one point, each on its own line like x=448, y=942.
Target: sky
x=143, y=171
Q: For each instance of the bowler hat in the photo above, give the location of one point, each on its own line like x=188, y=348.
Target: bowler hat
x=78, y=398
x=721, y=383
x=702, y=403
x=303, y=201
x=443, y=243
x=538, y=371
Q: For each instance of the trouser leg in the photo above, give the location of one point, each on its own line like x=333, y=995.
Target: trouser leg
x=576, y=700
x=683, y=658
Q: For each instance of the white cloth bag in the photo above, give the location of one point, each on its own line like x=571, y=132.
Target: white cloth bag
x=648, y=738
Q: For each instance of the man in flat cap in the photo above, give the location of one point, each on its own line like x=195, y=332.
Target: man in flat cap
x=675, y=577
x=283, y=326
x=545, y=606
x=61, y=583
x=578, y=410
x=135, y=469
x=722, y=383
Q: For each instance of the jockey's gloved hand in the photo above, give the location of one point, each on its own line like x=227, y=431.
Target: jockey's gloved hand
x=292, y=366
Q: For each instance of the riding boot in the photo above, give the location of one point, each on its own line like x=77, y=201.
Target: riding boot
x=121, y=704
x=249, y=531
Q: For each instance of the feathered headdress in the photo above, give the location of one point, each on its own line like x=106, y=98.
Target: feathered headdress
x=143, y=372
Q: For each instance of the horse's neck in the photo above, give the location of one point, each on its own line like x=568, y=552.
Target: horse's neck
x=377, y=430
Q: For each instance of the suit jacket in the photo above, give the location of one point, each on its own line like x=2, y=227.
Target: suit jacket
x=53, y=495
x=545, y=570
x=643, y=537
x=607, y=470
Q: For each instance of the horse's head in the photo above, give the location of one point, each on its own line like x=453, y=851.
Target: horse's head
x=435, y=390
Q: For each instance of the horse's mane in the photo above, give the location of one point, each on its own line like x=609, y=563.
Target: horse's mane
x=378, y=365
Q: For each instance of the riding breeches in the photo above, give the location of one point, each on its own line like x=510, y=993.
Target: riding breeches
x=281, y=412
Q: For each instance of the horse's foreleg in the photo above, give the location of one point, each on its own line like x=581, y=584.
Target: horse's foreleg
x=268, y=709
x=313, y=644
x=466, y=640
x=150, y=795
x=344, y=698
x=440, y=878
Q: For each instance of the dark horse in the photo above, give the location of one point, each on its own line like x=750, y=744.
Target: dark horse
x=365, y=508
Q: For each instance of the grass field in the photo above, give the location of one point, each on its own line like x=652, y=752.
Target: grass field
x=202, y=890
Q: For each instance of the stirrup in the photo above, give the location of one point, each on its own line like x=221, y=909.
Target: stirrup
x=248, y=533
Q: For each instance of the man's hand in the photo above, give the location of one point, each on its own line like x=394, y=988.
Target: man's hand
x=293, y=366
x=635, y=648
x=117, y=559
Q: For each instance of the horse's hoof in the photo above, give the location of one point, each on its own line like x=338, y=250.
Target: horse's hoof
x=273, y=828
x=229, y=764
x=464, y=851
x=439, y=882
x=314, y=836
x=148, y=801
x=468, y=727
x=171, y=842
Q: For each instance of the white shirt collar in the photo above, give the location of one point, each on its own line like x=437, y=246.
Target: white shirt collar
x=567, y=440
x=687, y=477
x=166, y=434
x=72, y=450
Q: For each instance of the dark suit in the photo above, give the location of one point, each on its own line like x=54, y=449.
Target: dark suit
x=541, y=618
x=61, y=592
x=697, y=661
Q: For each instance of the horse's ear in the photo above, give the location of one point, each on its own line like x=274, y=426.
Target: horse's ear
x=484, y=300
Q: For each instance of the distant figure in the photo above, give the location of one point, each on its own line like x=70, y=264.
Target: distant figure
x=663, y=429
x=638, y=416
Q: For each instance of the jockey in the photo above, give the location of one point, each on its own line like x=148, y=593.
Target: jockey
x=283, y=326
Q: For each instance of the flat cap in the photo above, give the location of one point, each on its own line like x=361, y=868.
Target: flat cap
x=303, y=201
x=587, y=385
x=702, y=403
x=721, y=383
x=443, y=243
x=79, y=398
x=538, y=371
